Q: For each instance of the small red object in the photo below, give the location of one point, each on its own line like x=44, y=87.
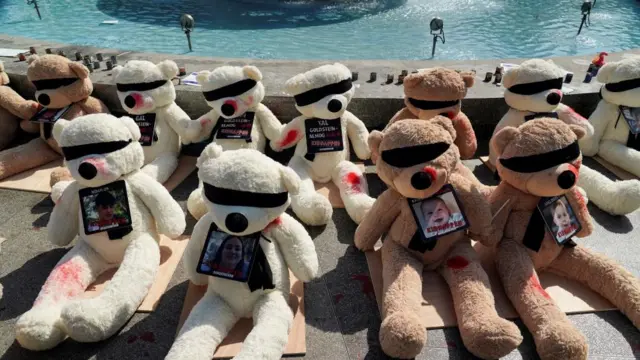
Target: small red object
x=183, y=71
x=21, y=57
x=599, y=60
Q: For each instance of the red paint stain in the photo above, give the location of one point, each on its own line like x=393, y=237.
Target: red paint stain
x=204, y=122
x=451, y=115
x=432, y=172
x=535, y=284
x=337, y=298
x=367, y=285
x=292, y=135
x=577, y=164
x=457, y=263
x=580, y=199
x=277, y=221
x=64, y=282
x=148, y=337
x=353, y=180
x=131, y=339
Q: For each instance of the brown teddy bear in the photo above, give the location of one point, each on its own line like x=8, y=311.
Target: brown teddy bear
x=439, y=91
x=64, y=89
x=425, y=226
x=539, y=163
x=14, y=110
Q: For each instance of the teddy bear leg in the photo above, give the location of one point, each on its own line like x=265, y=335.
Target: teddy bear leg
x=602, y=275
x=483, y=331
x=95, y=319
x=621, y=156
x=207, y=325
x=354, y=190
x=39, y=328
x=195, y=203
x=614, y=197
x=309, y=206
x=402, y=332
x=554, y=335
x=24, y=157
x=272, y=319
x=162, y=167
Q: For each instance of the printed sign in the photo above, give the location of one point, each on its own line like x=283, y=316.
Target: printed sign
x=147, y=125
x=559, y=218
x=105, y=208
x=323, y=135
x=632, y=117
x=236, y=128
x=49, y=116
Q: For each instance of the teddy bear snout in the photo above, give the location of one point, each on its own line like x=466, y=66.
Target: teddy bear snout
x=422, y=180
x=229, y=108
x=554, y=97
x=87, y=170
x=44, y=99
x=236, y=222
x=567, y=179
x=334, y=105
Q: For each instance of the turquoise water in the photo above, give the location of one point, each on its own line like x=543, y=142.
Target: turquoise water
x=348, y=29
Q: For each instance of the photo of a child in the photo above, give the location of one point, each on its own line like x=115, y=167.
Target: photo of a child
x=105, y=208
x=227, y=256
x=439, y=215
x=632, y=117
x=560, y=219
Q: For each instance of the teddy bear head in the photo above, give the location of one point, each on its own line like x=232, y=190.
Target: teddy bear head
x=244, y=189
x=4, y=78
x=541, y=157
x=232, y=90
x=144, y=86
x=436, y=91
x=323, y=92
x=416, y=157
x=99, y=148
x=621, y=82
x=535, y=85
x=59, y=82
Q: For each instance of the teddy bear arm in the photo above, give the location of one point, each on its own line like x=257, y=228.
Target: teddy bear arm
x=501, y=207
x=378, y=220
x=402, y=114
x=358, y=135
x=16, y=104
x=63, y=223
x=478, y=211
x=296, y=246
x=194, y=250
x=601, y=116
x=577, y=202
x=570, y=116
x=465, y=136
x=29, y=126
x=178, y=120
x=271, y=126
x=289, y=135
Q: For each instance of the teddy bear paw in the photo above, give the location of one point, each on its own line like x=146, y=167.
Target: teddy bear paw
x=88, y=320
x=402, y=335
x=493, y=338
x=314, y=209
x=561, y=341
x=37, y=329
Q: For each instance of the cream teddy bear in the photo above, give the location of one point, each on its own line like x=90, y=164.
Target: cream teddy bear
x=117, y=212
x=242, y=249
x=237, y=120
x=321, y=136
x=533, y=90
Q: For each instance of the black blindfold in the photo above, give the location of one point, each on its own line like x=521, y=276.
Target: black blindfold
x=231, y=90
x=52, y=84
x=623, y=85
x=78, y=151
x=431, y=105
x=539, y=162
x=229, y=197
x=413, y=155
x=145, y=86
x=536, y=87
x=315, y=95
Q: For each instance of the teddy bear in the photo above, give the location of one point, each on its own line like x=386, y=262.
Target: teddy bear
x=237, y=120
x=533, y=90
x=424, y=212
x=63, y=88
x=242, y=249
x=321, y=136
x=14, y=111
x=120, y=212
x=538, y=164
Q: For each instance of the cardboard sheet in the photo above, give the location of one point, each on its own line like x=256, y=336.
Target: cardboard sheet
x=620, y=173
x=331, y=191
x=231, y=344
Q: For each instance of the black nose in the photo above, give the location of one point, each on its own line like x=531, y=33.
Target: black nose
x=227, y=109
x=129, y=101
x=567, y=179
x=87, y=171
x=44, y=99
x=236, y=222
x=334, y=105
x=421, y=180
x=554, y=98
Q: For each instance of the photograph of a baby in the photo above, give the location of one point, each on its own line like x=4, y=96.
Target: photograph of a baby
x=227, y=256
x=560, y=219
x=439, y=215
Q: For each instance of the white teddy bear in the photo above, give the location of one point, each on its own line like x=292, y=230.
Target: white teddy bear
x=117, y=212
x=237, y=120
x=533, y=90
x=242, y=249
x=322, y=136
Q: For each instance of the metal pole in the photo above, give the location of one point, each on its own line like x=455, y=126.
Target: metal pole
x=37, y=9
x=594, y=3
x=433, y=48
x=188, y=32
x=584, y=18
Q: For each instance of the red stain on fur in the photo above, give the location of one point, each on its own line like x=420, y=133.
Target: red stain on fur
x=432, y=172
x=291, y=136
x=457, y=263
x=204, y=121
x=131, y=339
x=577, y=164
x=63, y=282
x=277, y=221
x=353, y=180
x=574, y=170
x=367, y=286
x=535, y=284
x=581, y=203
x=337, y=298
x=148, y=337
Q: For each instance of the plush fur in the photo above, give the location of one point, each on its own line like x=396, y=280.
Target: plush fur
x=60, y=310
x=265, y=124
x=78, y=94
x=441, y=84
x=402, y=332
x=14, y=110
x=518, y=265
x=311, y=207
x=615, y=197
x=226, y=301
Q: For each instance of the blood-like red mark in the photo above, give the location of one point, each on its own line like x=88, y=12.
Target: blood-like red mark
x=131, y=339
x=577, y=164
x=432, y=172
x=580, y=199
x=353, y=180
x=367, y=285
x=451, y=115
x=292, y=135
x=457, y=263
x=205, y=121
x=64, y=282
x=337, y=298
x=575, y=114
x=574, y=170
x=148, y=337
x=277, y=221
x=535, y=284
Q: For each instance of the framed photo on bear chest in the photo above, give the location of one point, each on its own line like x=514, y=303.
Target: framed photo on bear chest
x=228, y=256
x=105, y=208
x=559, y=218
x=238, y=128
x=49, y=116
x=147, y=125
x=323, y=135
x=436, y=216
x=632, y=117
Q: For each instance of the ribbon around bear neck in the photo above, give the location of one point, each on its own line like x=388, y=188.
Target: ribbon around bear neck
x=51, y=84
x=231, y=90
x=315, y=95
x=143, y=86
x=231, y=197
x=623, y=85
x=431, y=105
x=413, y=155
x=78, y=151
x=539, y=162
x=536, y=87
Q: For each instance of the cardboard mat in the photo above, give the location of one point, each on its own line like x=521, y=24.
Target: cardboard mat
x=331, y=191
x=170, y=254
x=620, y=173
x=230, y=346
x=37, y=180
x=437, y=306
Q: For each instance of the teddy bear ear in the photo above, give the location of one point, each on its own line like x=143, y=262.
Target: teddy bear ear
x=212, y=151
x=202, y=76
x=58, y=127
x=131, y=126
x=502, y=138
x=116, y=71
x=578, y=130
x=32, y=58
x=79, y=69
x=412, y=80
x=290, y=180
x=168, y=68
x=252, y=72
x=468, y=78
x=374, y=140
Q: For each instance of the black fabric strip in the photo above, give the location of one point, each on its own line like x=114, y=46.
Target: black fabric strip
x=310, y=156
x=623, y=85
x=314, y=95
x=231, y=90
x=539, y=162
x=51, y=84
x=536, y=87
x=145, y=86
x=431, y=105
x=261, y=276
x=420, y=245
x=117, y=234
x=413, y=155
x=47, y=129
x=541, y=115
x=230, y=197
x=633, y=141
x=534, y=234
x=78, y=151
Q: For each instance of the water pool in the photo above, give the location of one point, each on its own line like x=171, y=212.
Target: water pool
x=347, y=29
